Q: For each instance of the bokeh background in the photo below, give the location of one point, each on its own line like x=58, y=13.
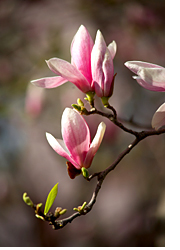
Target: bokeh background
x=130, y=207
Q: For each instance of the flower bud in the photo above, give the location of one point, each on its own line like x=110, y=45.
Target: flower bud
x=27, y=200
x=80, y=103
x=85, y=172
x=39, y=217
x=63, y=211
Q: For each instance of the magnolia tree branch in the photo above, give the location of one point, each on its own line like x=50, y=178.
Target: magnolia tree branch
x=86, y=208
x=102, y=175
x=112, y=118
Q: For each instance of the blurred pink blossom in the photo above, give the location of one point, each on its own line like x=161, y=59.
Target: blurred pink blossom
x=34, y=100
x=76, y=145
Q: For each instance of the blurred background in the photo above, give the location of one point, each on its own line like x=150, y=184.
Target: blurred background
x=130, y=207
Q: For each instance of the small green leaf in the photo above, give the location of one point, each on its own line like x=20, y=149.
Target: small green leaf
x=50, y=199
x=77, y=107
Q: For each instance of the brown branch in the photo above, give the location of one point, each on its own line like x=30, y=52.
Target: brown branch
x=58, y=224
x=112, y=118
x=139, y=136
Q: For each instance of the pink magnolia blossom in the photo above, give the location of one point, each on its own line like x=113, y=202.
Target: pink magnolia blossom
x=78, y=71
x=84, y=61
x=102, y=66
x=158, y=119
x=76, y=145
x=151, y=77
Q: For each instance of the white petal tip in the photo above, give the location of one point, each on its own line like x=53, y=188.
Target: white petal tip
x=126, y=64
x=136, y=77
x=102, y=125
x=49, y=137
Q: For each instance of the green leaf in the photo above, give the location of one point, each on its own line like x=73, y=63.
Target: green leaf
x=50, y=199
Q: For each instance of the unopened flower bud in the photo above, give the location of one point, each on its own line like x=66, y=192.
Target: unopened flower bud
x=39, y=217
x=38, y=207
x=80, y=103
x=85, y=172
x=27, y=200
x=57, y=211
x=63, y=211
x=76, y=209
x=83, y=205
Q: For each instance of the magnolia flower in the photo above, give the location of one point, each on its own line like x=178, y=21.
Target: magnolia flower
x=151, y=77
x=83, y=62
x=158, y=119
x=76, y=145
x=102, y=66
x=78, y=71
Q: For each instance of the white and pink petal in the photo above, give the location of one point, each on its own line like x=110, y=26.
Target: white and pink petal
x=76, y=134
x=97, y=59
x=112, y=49
x=154, y=78
x=69, y=72
x=49, y=82
x=81, y=48
x=158, y=119
x=58, y=146
x=95, y=144
x=135, y=66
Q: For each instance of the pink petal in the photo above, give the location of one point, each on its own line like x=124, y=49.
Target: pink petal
x=158, y=119
x=150, y=76
x=97, y=57
x=95, y=144
x=112, y=48
x=108, y=70
x=154, y=78
x=147, y=86
x=69, y=72
x=81, y=48
x=135, y=66
x=58, y=146
x=102, y=66
x=75, y=134
x=49, y=82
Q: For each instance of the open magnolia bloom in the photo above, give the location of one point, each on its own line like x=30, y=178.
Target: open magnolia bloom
x=79, y=71
x=151, y=77
x=76, y=145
